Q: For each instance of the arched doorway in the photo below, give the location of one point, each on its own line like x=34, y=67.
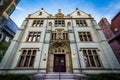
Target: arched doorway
x=59, y=57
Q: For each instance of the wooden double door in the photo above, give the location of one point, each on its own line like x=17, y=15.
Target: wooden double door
x=59, y=63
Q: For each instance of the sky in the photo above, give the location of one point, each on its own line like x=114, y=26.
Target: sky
x=97, y=8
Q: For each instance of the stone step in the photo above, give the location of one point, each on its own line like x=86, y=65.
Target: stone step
x=59, y=79
x=59, y=76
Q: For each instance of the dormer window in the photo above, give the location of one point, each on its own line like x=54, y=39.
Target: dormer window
x=78, y=13
x=40, y=13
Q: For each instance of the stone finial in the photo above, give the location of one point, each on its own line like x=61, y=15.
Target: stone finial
x=59, y=10
x=42, y=9
x=76, y=8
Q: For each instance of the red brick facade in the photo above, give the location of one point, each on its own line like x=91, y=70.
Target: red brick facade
x=112, y=33
x=115, y=25
x=116, y=48
x=106, y=28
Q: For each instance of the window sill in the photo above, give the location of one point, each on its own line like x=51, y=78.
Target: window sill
x=94, y=68
x=24, y=68
x=86, y=42
x=32, y=42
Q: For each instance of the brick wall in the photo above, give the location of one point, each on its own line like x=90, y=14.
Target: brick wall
x=116, y=48
x=106, y=28
x=115, y=24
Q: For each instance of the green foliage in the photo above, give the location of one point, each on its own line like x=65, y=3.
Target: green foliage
x=14, y=77
x=4, y=45
x=112, y=76
x=3, y=48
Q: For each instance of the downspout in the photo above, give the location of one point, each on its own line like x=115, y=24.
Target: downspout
x=76, y=46
x=42, y=46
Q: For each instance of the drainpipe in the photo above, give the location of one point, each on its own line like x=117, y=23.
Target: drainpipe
x=43, y=45
x=76, y=46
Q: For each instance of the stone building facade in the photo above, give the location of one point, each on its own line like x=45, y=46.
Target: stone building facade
x=72, y=43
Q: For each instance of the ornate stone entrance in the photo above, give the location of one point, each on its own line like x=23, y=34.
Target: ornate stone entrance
x=59, y=57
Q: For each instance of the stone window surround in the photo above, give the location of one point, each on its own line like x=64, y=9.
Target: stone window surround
x=94, y=59
x=63, y=36
x=81, y=23
x=38, y=23
x=33, y=36
x=59, y=23
x=31, y=55
x=85, y=36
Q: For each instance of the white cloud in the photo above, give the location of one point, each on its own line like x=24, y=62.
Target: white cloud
x=19, y=8
x=112, y=9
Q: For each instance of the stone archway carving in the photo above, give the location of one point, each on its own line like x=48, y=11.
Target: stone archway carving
x=59, y=47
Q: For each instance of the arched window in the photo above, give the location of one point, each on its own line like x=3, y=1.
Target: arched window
x=40, y=13
x=78, y=13
x=69, y=24
x=50, y=23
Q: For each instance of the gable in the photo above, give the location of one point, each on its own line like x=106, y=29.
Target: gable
x=39, y=14
x=80, y=14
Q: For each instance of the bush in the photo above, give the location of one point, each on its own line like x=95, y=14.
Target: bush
x=3, y=49
x=14, y=77
x=112, y=76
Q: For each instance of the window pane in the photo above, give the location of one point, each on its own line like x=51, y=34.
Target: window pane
x=40, y=13
x=34, y=38
x=26, y=61
x=94, y=52
x=63, y=35
x=24, y=52
x=97, y=61
x=34, y=52
x=21, y=61
x=29, y=52
x=32, y=61
x=66, y=35
x=87, y=62
x=86, y=58
x=92, y=61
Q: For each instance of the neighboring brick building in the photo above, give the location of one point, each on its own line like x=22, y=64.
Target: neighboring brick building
x=106, y=27
x=115, y=41
x=112, y=33
x=115, y=24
